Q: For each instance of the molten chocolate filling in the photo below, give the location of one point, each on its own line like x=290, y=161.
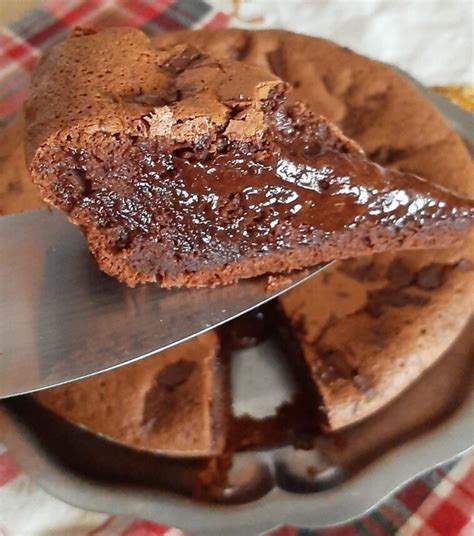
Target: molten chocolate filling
x=196, y=208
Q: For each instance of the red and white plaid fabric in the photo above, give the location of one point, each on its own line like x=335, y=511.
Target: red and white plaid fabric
x=440, y=503
x=417, y=510
x=449, y=509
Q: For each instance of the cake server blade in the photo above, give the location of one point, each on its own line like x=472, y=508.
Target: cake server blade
x=62, y=319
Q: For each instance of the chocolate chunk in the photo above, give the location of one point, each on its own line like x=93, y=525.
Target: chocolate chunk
x=399, y=274
x=184, y=57
x=175, y=374
x=379, y=300
x=156, y=404
x=151, y=98
x=239, y=50
x=161, y=398
x=314, y=149
x=276, y=62
x=432, y=276
x=78, y=180
x=362, y=270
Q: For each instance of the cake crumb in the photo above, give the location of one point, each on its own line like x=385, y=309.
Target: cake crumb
x=274, y=282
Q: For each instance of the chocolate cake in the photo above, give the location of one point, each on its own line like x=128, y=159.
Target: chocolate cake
x=174, y=403
x=188, y=170
x=366, y=329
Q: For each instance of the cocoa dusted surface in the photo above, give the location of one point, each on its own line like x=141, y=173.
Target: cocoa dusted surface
x=366, y=329
x=190, y=170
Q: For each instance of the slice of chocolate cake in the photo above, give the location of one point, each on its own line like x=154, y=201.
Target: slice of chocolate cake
x=186, y=170
x=367, y=328
x=175, y=403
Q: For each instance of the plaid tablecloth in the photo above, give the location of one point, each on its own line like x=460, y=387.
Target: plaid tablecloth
x=439, y=503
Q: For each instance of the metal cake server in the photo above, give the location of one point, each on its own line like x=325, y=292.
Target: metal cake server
x=61, y=319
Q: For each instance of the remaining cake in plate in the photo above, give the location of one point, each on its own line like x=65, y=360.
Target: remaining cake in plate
x=366, y=329
x=173, y=403
x=188, y=170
